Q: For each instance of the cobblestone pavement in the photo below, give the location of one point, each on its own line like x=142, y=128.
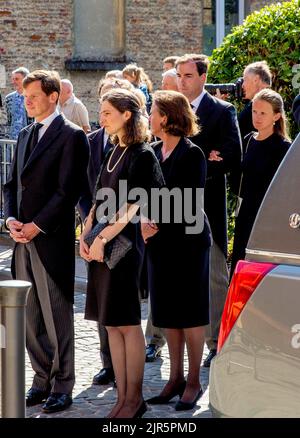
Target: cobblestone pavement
x=93, y=401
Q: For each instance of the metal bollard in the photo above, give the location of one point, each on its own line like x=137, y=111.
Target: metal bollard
x=13, y=297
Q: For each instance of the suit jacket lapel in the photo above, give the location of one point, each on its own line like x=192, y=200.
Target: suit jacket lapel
x=204, y=109
x=50, y=136
x=22, y=148
x=100, y=145
x=22, y=145
x=102, y=165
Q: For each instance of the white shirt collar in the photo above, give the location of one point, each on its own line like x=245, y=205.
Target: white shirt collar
x=47, y=122
x=196, y=102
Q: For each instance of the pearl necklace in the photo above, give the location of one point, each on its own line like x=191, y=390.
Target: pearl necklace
x=118, y=161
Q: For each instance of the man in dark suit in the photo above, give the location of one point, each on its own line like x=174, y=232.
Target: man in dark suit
x=99, y=146
x=256, y=77
x=219, y=138
x=46, y=179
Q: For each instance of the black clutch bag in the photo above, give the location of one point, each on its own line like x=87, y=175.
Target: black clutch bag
x=114, y=250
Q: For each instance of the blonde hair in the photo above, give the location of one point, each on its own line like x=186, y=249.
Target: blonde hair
x=114, y=74
x=109, y=83
x=139, y=76
x=275, y=100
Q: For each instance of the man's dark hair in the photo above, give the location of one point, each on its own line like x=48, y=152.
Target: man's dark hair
x=171, y=60
x=50, y=80
x=201, y=61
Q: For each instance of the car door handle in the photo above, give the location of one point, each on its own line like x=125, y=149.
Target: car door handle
x=294, y=220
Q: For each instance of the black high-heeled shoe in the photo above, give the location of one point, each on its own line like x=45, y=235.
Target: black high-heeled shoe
x=186, y=406
x=164, y=399
x=141, y=410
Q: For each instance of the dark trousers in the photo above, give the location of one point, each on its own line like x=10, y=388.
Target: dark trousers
x=104, y=347
x=49, y=325
x=154, y=335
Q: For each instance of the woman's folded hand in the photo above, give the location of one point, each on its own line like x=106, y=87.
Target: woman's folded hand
x=96, y=251
x=148, y=228
x=84, y=249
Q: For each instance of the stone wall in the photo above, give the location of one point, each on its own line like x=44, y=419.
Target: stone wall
x=34, y=34
x=159, y=28
x=39, y=34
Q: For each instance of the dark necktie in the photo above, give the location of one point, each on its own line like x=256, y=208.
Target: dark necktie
x=33, y=139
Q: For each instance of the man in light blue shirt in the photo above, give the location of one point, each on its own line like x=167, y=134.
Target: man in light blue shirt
x=17, y=117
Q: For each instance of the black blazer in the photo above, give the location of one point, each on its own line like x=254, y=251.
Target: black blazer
x=96, y=143
x=51, y=182
x=245, y=120
x=96, y=158
x=188, y=171
x=219, y=131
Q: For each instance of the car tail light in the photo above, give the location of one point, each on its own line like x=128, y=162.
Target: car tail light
x=246, y=277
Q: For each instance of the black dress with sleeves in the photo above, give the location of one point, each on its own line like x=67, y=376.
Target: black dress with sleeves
x=113, y=295
x=259, y=165
x=178, y=263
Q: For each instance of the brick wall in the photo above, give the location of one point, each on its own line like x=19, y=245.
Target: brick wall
x=159, y=28
x=34, y=34
x=39, y=34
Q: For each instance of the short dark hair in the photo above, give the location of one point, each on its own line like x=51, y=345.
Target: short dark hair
x=49, y=79
x=201, y=61
x=261, y=69
x=181, y=120
x=171, y=60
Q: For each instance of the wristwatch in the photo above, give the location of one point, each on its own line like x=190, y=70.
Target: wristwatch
x=104, y=240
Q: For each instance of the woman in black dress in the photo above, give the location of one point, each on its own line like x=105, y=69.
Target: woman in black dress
x=178, y=251
x=264, y=151
x=113, y=295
